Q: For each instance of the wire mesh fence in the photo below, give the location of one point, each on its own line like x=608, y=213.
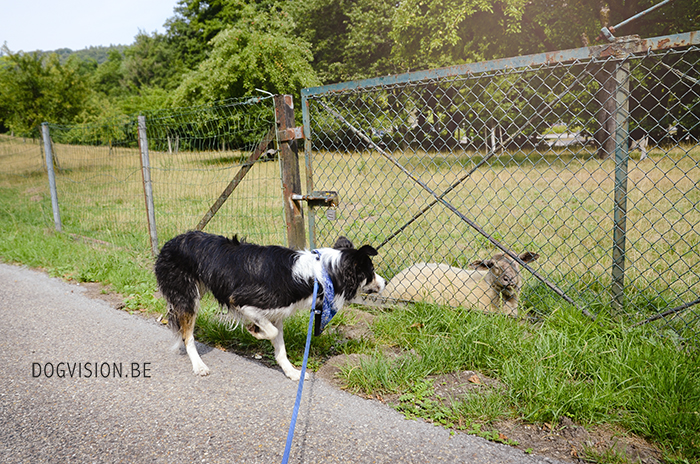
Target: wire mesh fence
x=21, y=157
x=587, y=157
x=194, y=153
x=22, y=168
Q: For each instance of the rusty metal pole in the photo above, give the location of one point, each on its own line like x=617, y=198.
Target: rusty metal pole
x=291, y=179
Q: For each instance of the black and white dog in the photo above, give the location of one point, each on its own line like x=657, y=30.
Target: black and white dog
x=261, y=285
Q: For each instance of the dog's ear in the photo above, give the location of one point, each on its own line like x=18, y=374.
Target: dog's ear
x=368, y=250
x=343, y=242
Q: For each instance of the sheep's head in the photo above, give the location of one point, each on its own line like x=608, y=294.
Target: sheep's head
x=505, y=272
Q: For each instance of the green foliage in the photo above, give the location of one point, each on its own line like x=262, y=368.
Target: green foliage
x=109, y=75
x=443, y=32
x=151, y=62
x=36, y=88
x=98, y=54
x=219, y=49
x=255, y=53
x=447, y=32
x=197, y=22
x=350, y=40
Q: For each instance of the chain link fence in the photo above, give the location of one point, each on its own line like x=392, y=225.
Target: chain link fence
x=587, y=157
x=193, y=154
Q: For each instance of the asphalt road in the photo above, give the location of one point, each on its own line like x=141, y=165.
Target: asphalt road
x=122, y=395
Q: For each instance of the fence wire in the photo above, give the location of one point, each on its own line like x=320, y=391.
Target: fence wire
x=591, y=163
x=22, y=168
x=21, y=159
x=194, y=153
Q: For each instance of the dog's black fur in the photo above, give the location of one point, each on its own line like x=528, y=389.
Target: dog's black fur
x=261, y=284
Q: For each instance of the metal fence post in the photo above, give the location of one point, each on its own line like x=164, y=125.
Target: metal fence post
x=52, y=177
x=289, y=161
x=147, y=187
x=622, y=75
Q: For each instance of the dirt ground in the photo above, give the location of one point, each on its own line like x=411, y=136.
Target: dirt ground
x=99, y=291
x=565, y=441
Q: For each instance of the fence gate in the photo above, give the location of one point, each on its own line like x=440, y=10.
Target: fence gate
x=588, y=157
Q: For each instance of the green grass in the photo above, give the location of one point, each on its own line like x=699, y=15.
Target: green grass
x=564, y=365
x=592, y=372
x=28, y=237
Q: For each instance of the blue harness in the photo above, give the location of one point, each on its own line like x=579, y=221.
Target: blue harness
x=328, y=309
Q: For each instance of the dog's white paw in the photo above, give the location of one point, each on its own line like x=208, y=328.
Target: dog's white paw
x=201, y=370
x=295, y=374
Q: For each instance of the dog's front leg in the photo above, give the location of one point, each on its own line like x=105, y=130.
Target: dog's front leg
x=281, y=354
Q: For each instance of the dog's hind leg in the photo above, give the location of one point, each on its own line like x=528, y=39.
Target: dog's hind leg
x=186, y=321
x=259, y=326
x=281, y=354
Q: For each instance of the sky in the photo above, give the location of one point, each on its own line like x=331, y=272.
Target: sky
x=77, y=24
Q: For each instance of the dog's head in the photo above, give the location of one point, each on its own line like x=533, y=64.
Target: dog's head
x=505, y=271
x=357, y=264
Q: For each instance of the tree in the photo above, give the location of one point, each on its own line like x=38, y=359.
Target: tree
x=447, y=32
x=151, y=62
x=254, y=53
x=36, y=89
x=429, y=34
x=108, y=77
x=197, y=22
x=350, y=38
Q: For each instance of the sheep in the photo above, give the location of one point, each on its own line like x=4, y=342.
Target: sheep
x=491, y=285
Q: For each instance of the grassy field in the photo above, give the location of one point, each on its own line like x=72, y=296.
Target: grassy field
x=558, y=204
x=562, y=206
x=101, y=191
x=563, y=365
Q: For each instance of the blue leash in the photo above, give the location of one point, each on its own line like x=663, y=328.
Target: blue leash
x=295, y=412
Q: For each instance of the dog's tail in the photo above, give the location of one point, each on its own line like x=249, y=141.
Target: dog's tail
x=173, y=321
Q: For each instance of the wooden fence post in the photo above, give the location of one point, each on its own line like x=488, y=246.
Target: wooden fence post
x=289, y=161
